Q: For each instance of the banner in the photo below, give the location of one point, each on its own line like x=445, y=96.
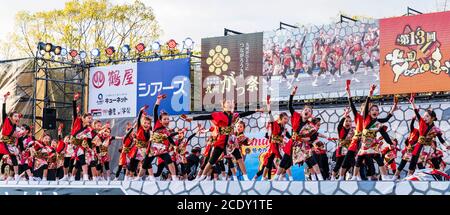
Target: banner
x=255, y=153
x=319, y=59
x=112, y=91
x=231, y=66
x=170, y=77
x=415, y=53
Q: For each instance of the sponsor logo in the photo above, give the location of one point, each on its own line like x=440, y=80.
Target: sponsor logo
x=218, y=60
x=98, y=79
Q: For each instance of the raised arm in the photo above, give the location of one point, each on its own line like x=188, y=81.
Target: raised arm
x=351, y=104
x=140, y=116
x=411, y=126
x=386, y=119
x=340, y=125
x=366, y=105
x=155, y=113
x=413, y=105
x=155, y=109
x=76, y=96
x=291, y=98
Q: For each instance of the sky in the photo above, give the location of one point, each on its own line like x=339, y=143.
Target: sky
x=208, y=18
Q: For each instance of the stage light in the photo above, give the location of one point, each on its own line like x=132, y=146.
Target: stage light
x=48, y=47
x=172, y=44
x=95, y=52
x=57, y=50
x=140, y=47
x=188, y=43
x=125, y=49
x=73, y=53
x=63, y=52
x=110, y=51
x=156, y=47
x=83, y=55
x=41, y=46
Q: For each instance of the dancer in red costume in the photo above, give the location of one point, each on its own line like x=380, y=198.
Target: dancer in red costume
x=125, y=149
x=103, y=141
x=237, y=140
x=81, y=135
x=349, y=159
x=345, y=133
x=224, y=121
x=369, y=142
x=10, y=133
x=421, y=138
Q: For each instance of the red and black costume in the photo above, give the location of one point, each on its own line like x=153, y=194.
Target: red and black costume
x=298, y=62
x=369, y=143
x=180, y=152
x=345, y=138
x=126, y=147
x=161, y=140
x=411, y=147
x=349, y=160
x=103, y=152
x=139, y=149
x=427, y=134
x=224, y=121
x=8, y=142
x=297, y=123
x=81, y=137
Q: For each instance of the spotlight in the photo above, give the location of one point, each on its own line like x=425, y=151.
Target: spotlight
x=172, y=44
x=83, y=55
x=95, y=52
x=41, y=46
x=140, y=47
x=156, y=47
x=73, y=53
x=57, y=50
x=125, y=49
x=63, y=52
x=188, y=43
x=110, y=51
x=48, y=47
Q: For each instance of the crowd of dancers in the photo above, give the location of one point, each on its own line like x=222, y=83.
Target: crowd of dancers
x=330, y=56
x=149, y=143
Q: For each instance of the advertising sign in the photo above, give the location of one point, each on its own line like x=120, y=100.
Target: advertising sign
x=169, y=77
x=415, y=53
x=112, y=91
x=231, y=66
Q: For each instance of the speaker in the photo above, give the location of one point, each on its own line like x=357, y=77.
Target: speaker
x=49, y=118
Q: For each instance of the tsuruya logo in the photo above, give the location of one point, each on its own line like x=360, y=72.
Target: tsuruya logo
x=218, y=60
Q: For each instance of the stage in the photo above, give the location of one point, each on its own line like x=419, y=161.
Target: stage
x=225, y=188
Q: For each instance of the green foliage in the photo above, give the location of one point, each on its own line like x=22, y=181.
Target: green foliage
x=84, y=25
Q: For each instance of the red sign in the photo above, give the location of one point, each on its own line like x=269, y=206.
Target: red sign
x=98, y=79
x=415, y=54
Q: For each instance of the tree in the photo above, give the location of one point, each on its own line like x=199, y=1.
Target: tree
x=84, y=25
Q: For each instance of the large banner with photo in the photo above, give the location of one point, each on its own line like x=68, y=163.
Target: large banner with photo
x=112, y=91
x=319, y=59
x=119, y=91
x=231, y=66
x=415, y=53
